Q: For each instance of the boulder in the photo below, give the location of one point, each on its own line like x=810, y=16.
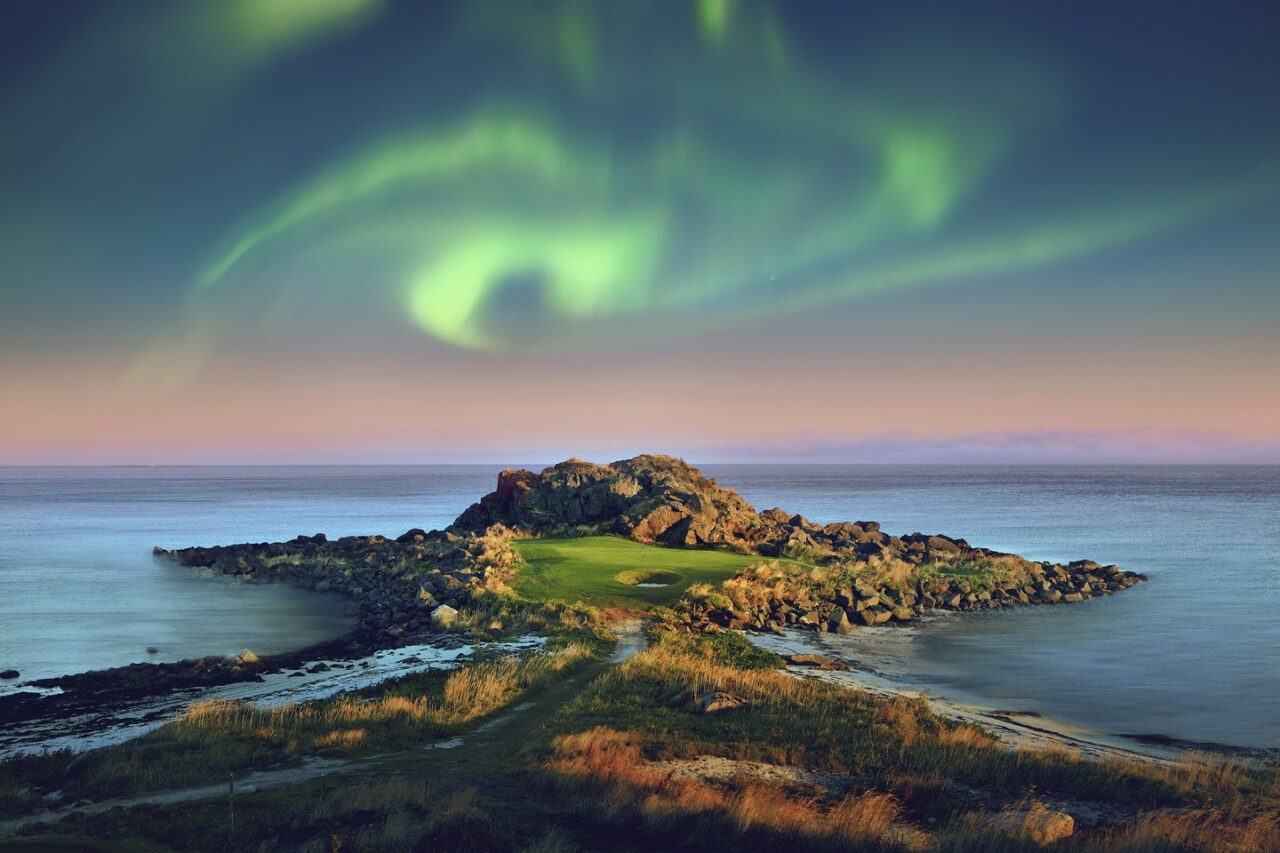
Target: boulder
x=9, y=674
x=649, y=497
x=654, y=525
x=942, y=545
x=874, y=616
x=717, y=702
x=818, y=661
x=444, y=616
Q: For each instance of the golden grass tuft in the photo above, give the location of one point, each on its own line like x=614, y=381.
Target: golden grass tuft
x=344, y=739
x=468, y=694
x=613, y=763
x=1209, y=830
x=890, y=571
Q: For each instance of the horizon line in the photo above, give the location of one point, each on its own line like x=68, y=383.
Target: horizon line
x=771, y=462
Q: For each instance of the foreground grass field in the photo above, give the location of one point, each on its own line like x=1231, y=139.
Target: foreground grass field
x=588, y=569
x=214, y=738
x=803, y=762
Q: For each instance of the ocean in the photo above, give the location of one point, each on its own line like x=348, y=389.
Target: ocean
x=1194, y=654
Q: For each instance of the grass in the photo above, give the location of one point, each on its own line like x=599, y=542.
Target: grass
x=727, y=648
x=385, y=815
x=602, y=772
x=214, y=738
x=588, y=569
x=910, y=775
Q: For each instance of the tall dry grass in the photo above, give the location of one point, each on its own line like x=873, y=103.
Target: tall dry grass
x=1207, y=830
x=468, y=694
x=613, y=763
x=893, y=745
x=888, y=571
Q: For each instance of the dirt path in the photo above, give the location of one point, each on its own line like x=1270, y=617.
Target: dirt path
x=477, y=755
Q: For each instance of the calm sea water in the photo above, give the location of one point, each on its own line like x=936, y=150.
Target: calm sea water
x=1193, y=654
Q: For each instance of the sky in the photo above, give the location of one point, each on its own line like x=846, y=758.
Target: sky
x=286, y=231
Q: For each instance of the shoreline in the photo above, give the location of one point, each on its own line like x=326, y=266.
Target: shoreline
x=1018, y=729
x=87, y=725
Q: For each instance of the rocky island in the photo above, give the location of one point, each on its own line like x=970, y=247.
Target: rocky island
x=857, y=574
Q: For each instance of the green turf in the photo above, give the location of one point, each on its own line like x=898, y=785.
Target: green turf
x=586, y=570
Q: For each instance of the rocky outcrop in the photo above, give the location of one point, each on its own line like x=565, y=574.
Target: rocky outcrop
x=649, y=498
x=718, y=702
x=818, y=661
x=399, y=585
x=777, y=597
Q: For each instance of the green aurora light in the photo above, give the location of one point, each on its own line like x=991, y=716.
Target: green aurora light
x=761, y=185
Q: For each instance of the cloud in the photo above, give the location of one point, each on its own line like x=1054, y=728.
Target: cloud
x=1143, y=446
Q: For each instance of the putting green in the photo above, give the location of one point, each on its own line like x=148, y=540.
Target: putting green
x=589, y=569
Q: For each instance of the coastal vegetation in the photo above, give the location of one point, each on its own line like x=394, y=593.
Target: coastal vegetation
x=699, y=741
x=214, y=738
x=677, y=743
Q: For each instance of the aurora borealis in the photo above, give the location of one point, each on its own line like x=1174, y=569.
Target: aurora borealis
x=333, y=230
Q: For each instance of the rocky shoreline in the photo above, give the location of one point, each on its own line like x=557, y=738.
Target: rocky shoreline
x=839, y=605
x=427, y=586
x=407, y=590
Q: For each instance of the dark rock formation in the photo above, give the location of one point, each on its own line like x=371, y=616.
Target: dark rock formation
x=396, y=583
x=775, y=598
x=649, y=498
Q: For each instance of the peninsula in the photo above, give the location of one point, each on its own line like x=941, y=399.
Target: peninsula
x=637, y=714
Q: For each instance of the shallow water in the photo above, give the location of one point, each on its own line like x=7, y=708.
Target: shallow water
x=1193, y=654
x=80, y=590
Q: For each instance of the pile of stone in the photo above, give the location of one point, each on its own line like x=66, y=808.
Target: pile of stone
x=832, y=608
